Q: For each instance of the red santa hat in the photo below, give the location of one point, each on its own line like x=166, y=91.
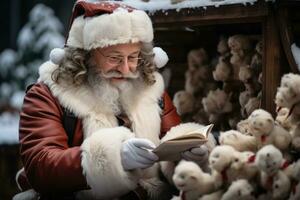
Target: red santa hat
x=101, y=24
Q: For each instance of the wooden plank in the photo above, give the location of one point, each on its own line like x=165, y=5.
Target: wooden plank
x=212, y=15
x=271, y=63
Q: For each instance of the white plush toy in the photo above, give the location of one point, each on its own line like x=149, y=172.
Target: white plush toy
x=266, y=131
x=184, y=102
x=296, y=138
x=281, y=186
x=295, y=187
x=243, y=127
x=239, y=190
x=196, y=58
x=283, y=119
x=222, y=47
x=251, y=105
x=288, y=94
x=217, y=102
x=223, y=70
x=242, y=166
x=270, y=161
x=246, y=73
x=244, y=98
x=239, y=141
x=220, y=160
x=192, y=181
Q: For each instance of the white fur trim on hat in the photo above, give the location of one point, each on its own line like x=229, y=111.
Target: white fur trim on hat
x=57, y=55
x=105, y=30
x=160, y=57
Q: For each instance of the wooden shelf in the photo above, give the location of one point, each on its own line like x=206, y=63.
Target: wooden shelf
x=264, y=14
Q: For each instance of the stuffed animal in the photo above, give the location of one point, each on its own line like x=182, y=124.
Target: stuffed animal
x=238, y=140
x=222, y=47
x=213, y=196
x=239, y=44
x=242, y=166
x=296, y=138
x=281, y=186
x=270, y=160
x=192, y=181
x=244, y=128
x=217, y=102
x=244, y=98
x=193, y=81
x=288, y=94
x=239, y=190
x=220, y=160
x=251, y=105
x=196, y=58
x=283, y=119
x=223, y=70
x=266, y=131
x=295, y=187
x=246, y=74
x=184, y=102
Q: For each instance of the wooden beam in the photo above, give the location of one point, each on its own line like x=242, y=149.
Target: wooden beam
x=211, y=15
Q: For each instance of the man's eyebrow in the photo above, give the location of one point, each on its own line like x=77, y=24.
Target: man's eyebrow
x=118, y=52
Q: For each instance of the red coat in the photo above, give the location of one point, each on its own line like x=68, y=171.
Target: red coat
x=50, y=164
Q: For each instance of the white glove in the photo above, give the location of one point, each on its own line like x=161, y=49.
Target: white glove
x=197, y=154
x=136, y=153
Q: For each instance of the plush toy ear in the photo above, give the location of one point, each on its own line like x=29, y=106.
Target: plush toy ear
x=57, y=55
x=160, y=57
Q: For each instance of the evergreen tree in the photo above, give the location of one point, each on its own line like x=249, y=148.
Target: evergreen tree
x=36, y=39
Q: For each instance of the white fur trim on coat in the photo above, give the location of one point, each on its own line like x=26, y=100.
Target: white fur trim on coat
x=105, y=30
x=101, y=163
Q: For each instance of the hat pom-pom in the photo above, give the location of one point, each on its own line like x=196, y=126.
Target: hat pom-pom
x=57, y=55
x=160, y=57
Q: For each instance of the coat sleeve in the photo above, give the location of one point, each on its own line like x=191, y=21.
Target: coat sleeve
x=170, y=117
x=51, y=166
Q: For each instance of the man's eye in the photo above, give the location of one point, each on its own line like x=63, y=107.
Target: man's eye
x=114, y=58
x=133, y=58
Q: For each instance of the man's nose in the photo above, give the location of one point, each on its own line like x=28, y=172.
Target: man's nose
x=124, y=67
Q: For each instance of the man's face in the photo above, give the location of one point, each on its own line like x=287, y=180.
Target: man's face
x=119, y=62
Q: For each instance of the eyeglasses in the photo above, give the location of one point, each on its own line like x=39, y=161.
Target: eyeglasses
x=115, y=60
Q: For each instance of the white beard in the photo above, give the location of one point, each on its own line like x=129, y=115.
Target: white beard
x=109, y=94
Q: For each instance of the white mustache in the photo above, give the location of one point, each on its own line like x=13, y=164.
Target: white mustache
x=116, y=74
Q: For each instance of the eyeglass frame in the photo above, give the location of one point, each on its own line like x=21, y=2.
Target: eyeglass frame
x=120, y=59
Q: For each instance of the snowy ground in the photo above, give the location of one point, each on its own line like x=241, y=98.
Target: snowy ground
x=9, y=125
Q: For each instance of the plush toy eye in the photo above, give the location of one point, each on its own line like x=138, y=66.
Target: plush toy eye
x=236, y=160
x=182, y=176
x=276, y=186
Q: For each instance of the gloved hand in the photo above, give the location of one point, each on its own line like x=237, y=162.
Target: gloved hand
x=196, y=154
x=136, y=153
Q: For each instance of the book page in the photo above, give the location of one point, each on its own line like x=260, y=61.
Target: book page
x=171, y=149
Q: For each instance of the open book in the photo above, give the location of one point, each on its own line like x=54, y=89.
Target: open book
x=171, y=149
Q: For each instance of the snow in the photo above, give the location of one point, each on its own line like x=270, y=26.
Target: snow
x=296, y=54
x=9, y=126
x=7, y=60
x=155, y=5
x=25, y=38
x=17, y=99
x=5, y=89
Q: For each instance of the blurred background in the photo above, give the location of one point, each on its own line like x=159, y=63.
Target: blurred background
x=30, y=29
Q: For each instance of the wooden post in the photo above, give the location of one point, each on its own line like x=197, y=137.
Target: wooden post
x=271, y=62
